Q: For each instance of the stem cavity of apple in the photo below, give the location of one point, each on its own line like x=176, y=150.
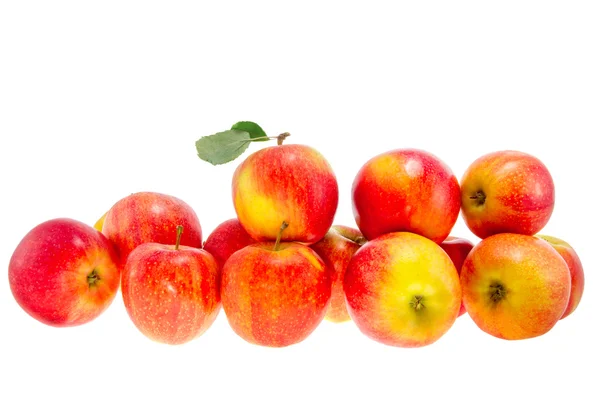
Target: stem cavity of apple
x=278, y=240
x=417, y=303
x=497, y=292
x=93, y=278
x=479, y=198
x=179, y=233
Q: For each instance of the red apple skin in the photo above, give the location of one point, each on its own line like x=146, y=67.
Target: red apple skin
x=458, y=249
x=515, y=286
x=408, y=190
x=171, y=295
x=336, y=249
x=292, y=183
x=150, y=217
x=64, y=273
x=227, y=238
x=575, y=268
x=518, y=194
x=275, y=298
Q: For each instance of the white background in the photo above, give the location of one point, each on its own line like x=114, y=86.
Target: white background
x=102, y=99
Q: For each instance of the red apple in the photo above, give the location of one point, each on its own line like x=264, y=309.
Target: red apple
x=292, y=183
x=64, y=273
x=575, y=268
x=227, y=238
x=149, y=217
x=507, y=192
x=458, y=249
x=402, y=290
x=515, y=286
x=406, y=190
x=171, y=292
x=336, y=249
x=275, y=294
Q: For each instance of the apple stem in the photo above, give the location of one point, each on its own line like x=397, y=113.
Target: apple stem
x=278, y=240
x=281, y=137
x=179, y=233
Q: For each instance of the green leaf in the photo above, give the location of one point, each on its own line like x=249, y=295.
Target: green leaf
x=223, y=147
x=252, y=128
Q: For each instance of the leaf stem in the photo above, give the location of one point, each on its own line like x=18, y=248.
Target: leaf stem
x=281, y=229
x=280, y=138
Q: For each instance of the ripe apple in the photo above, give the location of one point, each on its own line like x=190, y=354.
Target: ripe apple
x=171, y=292
x=227, y=238
x=575, y=269
x=275, y=295
x=507, y=192
x=515, y=286
x=100, y=223
x=402, y=290
x=458, y=249
x=292, y=183
x=64, y=273
x=336, y=249
x=149, y=217
x=406, y=190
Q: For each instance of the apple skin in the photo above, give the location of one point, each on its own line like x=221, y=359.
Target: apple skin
x=402, y=290
x=407, y=190
x=227, y=238
x=515, y=286
x=150, y=217
x=100, y=223
x=506, y=192
x=292, y=183
x=458, y=249
x=171, y=295
x=64, y=273
x=275, y=298
x=575, y=269
x=336, y=249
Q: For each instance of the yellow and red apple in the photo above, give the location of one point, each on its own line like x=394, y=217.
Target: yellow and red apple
x=507, y=192
x=275, y=294
x=515, y=286
x=402, y=290
x=171, y=292
x=64, y=273
x=292, y=183
x=407, y=190
x=227, y=238
x=336, y=249
x=575, y=269
x=149, y=217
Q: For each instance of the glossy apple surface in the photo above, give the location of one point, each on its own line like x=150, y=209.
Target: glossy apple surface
x=408, y=190
x=227, y=238
x=64, y=273
x=458, y=249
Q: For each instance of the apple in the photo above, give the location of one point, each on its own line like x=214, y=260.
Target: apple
x=171, y=292
x=506, y=192
x=64, y=273
x=458, y=249
x=100, y=222
x=402, y=290
x=149, y=217
x=227, y=238
x=336, y=249
x=575, y=269
x=515, y=286
x=292, y=183
x=406, y=190
x=275, y=294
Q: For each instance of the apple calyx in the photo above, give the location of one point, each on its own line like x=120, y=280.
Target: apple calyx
x=479, y=198
x=278, y=240
x=93, y=278
x=417, y=303
x=497, y=292
x=179, y=233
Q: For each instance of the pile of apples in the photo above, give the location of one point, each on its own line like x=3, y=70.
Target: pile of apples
x=281, y=266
